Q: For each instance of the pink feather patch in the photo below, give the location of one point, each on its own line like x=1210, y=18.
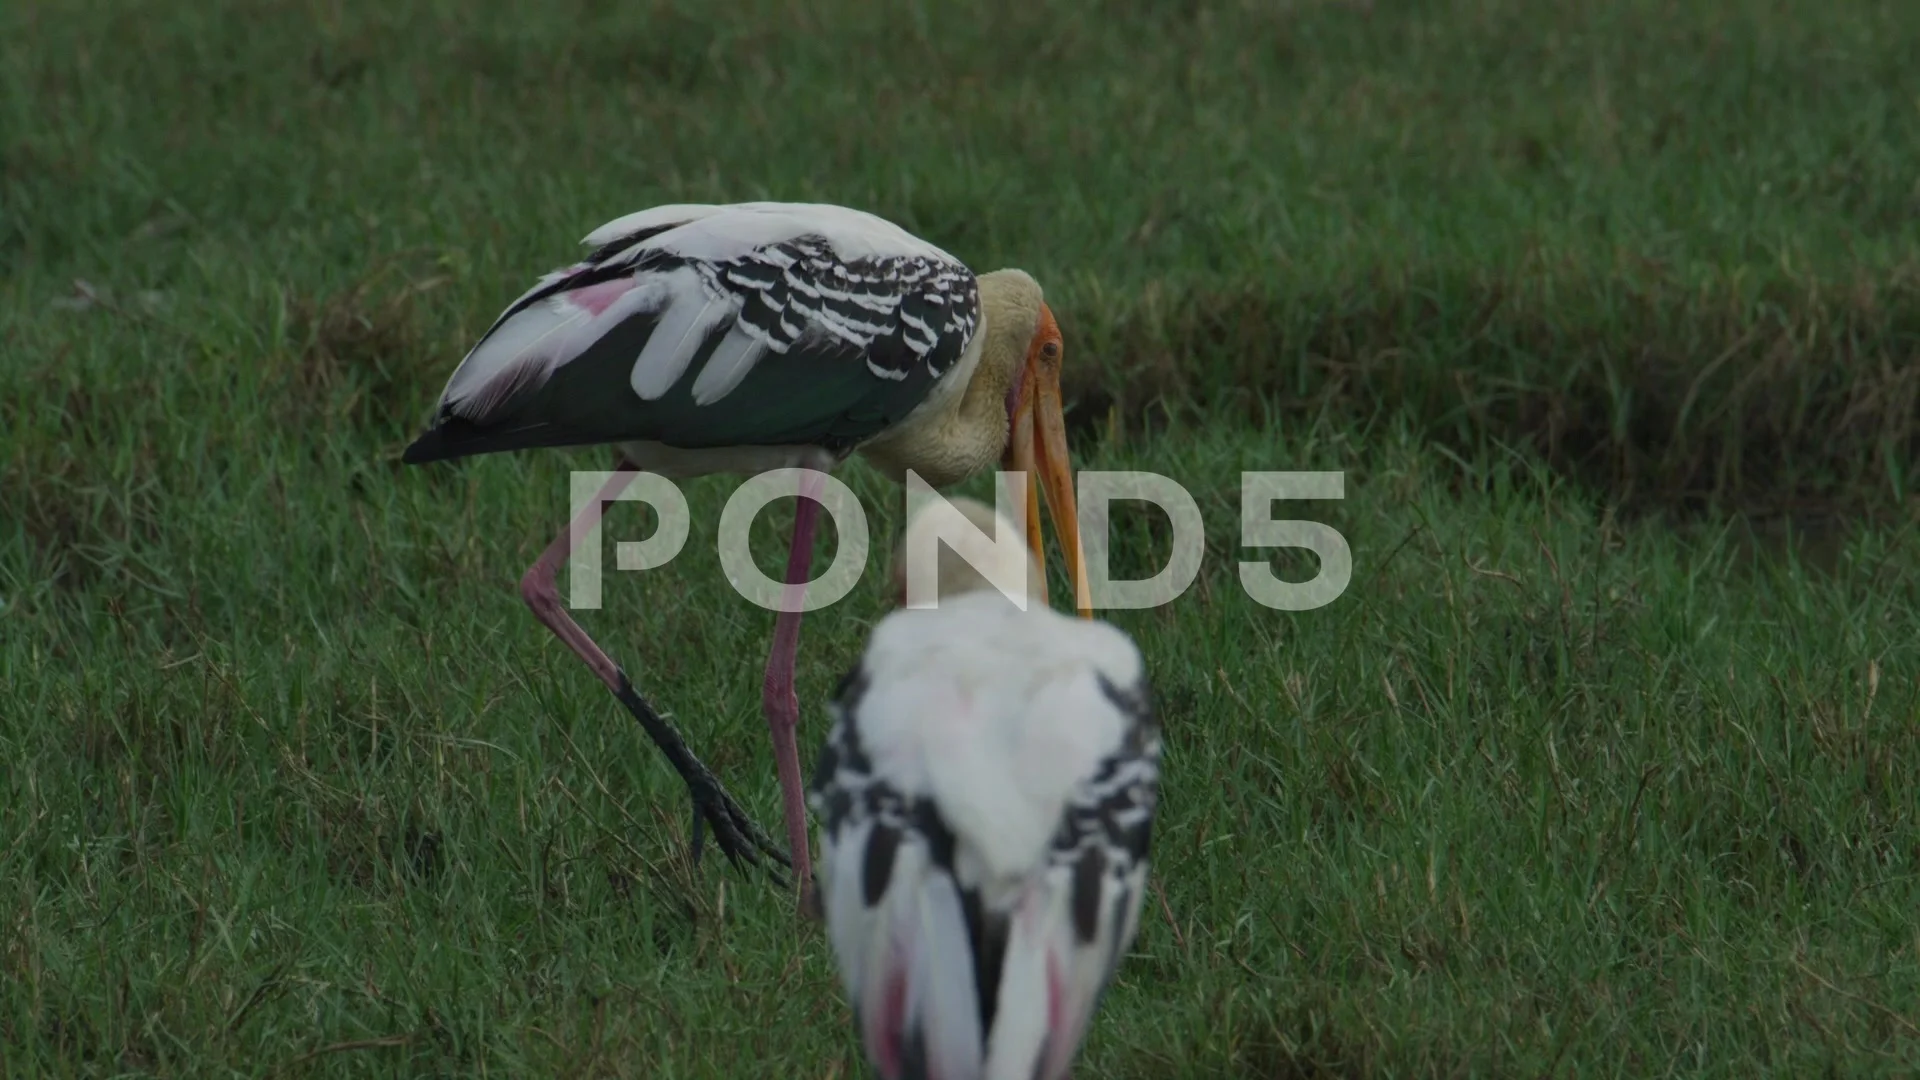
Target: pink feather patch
x=595, y=299
x=1056, y=995
x=1058, y=1038
x=892, y=1017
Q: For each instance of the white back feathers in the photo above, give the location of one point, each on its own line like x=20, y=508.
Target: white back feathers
x=718, y=232
x=986, y=798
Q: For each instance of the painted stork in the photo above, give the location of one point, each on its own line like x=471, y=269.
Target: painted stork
x=740, y=338
x=986, y=796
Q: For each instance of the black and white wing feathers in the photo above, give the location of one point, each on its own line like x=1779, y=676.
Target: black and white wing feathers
x=753, y=324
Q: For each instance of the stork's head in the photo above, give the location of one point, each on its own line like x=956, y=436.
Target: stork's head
x=972, y=570
x=1037, y=446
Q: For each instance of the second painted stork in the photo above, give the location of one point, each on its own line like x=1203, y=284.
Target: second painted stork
x=701, y=339
x=986, y=798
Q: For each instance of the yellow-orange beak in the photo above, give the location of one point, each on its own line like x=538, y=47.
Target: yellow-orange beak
x=1037, y=446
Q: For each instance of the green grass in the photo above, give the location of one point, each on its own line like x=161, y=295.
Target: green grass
x=1589, y=772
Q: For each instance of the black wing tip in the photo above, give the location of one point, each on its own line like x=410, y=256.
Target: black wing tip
x=852, y=685
x=430, y=446
x=1135, y=702
x=454, y=437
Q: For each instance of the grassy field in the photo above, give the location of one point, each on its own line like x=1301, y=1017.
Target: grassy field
x=1603, y=766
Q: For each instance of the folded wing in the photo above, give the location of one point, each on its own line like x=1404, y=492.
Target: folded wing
x=708, y=326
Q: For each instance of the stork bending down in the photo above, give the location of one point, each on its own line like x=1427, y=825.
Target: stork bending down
x=741, y=338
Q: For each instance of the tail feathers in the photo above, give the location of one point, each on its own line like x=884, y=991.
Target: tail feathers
x=454, y=437
x=1030, y=998
x=1047, y=992
x=918, y=1006
x=942, y=1001
x=919, y=1010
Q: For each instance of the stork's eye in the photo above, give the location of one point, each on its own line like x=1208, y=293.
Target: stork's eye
x=1051, y=350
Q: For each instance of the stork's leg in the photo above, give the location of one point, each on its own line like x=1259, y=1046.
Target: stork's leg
x=733, y=830
x=778, y=701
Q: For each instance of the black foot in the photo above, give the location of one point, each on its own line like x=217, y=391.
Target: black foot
x=736, y=834
x=739, y=838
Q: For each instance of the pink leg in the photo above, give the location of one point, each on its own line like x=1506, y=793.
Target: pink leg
x=777, y=698
x=733, y=830
x=539, y=590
